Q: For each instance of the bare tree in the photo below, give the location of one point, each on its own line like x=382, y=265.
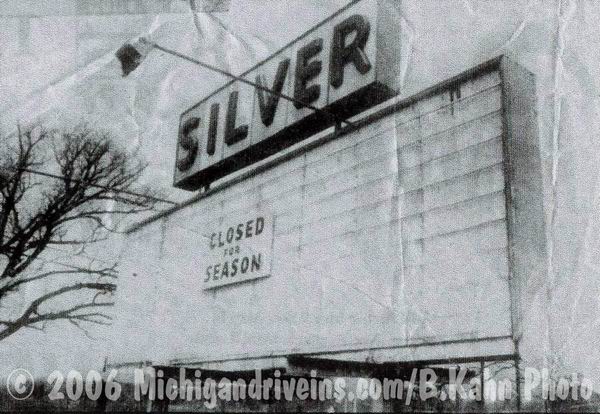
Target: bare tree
x=62, y=192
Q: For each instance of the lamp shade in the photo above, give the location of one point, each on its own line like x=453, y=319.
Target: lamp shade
x=131, y=55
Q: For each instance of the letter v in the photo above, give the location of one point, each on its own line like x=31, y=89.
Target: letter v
x=268, y=106
x=288, y=389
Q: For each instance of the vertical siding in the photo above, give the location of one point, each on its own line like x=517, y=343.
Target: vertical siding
x=453, y=214
x=392, y=234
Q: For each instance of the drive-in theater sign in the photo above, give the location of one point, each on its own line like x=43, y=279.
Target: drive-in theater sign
x=404, y=238
x=340, y=66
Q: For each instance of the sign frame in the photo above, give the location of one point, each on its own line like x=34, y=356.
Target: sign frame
x=239, y=250
x=379, y=82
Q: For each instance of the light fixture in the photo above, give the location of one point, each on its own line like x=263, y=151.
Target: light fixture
x=131, y=55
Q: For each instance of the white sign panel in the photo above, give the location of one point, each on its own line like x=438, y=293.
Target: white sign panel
x=238, y=250
x=341, y=67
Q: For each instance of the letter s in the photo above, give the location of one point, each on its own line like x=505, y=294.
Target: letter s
x=239, y=231
x=188, y=143
x=208, y=273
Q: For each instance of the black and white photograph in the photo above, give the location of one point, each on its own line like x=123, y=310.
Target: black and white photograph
x=300, y=206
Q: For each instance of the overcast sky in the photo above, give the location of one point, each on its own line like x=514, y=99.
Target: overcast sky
x=63, y=70
x=443, y=38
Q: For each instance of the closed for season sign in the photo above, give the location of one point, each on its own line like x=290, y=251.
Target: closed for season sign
x=239, y=250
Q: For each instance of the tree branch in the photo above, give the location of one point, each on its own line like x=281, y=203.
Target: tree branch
x=32, y=316
x=61, y=200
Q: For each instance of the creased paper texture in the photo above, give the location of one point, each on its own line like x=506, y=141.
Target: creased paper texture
x=359, y=190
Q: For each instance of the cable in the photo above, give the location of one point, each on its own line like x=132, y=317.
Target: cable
x=258, y=86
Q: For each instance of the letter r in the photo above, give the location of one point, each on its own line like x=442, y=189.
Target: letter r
x=343, y=54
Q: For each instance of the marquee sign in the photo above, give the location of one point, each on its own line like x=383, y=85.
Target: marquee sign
x=343, y=66
x=237, y=251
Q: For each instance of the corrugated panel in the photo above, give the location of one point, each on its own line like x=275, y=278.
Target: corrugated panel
x=394, y=232
x=453, y=209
